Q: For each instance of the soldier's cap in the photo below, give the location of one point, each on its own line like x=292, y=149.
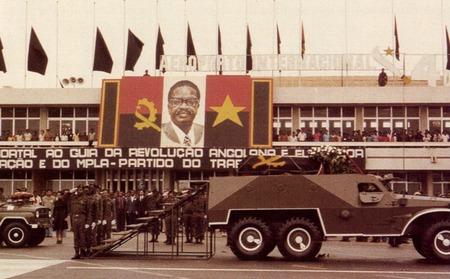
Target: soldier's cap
x=86, y=187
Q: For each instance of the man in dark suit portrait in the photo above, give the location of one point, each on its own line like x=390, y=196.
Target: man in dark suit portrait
x=183, y=103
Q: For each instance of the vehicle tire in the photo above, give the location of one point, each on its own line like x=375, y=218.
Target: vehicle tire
x=299, y=239
x=37, y=236
x=435, y=243
x=16, y=235
x=251, y=239
x=416, y=240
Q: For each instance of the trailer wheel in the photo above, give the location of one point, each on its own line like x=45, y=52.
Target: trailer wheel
x=251, y=239
x=16, y=235
x=435, y=243
x=37, y=236
x=299, y=239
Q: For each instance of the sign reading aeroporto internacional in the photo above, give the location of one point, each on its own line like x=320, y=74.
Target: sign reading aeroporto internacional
x=151, y=157
x=203, y=112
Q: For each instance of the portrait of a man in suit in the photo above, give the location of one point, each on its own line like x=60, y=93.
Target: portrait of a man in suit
x=183, y=101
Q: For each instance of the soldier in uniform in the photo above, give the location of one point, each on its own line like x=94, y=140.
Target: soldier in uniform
x=153, y=202
x=97, y=230
x=199, y=207
x=79, y=211
x=108, y=215
x=170, y=221
x=94, y=215
x=187, y=220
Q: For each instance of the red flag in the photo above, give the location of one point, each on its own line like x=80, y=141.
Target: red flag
x=228, y=107
x=302, y=51
x=2, y=60
x=102, y=58
x=278, y=41
x=448, y=49
x=397, y=45
x=134, y=50
x=219, y=46
x=159, y=50
x=140, y=106
x=37, y=58
x=190, y=48
x=249, y=60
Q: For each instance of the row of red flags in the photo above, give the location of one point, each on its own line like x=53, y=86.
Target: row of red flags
x=37, y=57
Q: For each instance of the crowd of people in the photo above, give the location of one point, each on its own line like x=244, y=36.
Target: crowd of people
x=48, y=135
x=399, y=135
x=93, y=212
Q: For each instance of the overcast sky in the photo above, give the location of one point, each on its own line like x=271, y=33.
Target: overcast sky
x=66, y=29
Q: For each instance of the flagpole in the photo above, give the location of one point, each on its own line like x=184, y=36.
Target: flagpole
x=157, y=29
x=185, y=32
x=57, y=44
x=346, y=43
x=443, y=64
x=277, y=35
x=124, y=36
x=300, y=48
x=93, y=45
x=393, y=35
x=217, y=36
x=246, y=30
x=273, y=33
x=26, y=58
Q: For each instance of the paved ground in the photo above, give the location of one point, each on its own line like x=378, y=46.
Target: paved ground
x=338, y=259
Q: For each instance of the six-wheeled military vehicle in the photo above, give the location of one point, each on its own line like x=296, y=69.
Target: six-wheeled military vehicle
x=23, y=223
x=297, y=212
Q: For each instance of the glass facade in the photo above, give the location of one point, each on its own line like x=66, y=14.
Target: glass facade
x=80, y=119
x=15, y=121
x=336, y=120
x=388, y=119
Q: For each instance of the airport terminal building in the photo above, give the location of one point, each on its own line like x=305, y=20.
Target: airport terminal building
x=306, y=104
x=85, y=90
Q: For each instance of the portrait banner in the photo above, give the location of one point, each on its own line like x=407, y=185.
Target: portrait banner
x=189, y=112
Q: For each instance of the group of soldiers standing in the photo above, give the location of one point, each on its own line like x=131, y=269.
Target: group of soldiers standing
x=92, y=215
x=93, y=211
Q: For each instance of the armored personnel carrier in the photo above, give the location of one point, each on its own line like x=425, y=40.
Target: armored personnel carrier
x=297, y=212
x=23, y=223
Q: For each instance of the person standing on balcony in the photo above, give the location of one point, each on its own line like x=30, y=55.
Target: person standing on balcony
x=382, y=78
x=91, y=137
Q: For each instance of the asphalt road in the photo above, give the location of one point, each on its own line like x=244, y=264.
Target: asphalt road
x=338, y=260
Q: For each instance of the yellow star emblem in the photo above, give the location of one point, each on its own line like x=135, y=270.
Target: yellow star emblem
x=389, y=51
x=227, y=111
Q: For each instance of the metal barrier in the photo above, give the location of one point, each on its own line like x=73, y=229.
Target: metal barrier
x=136, y=242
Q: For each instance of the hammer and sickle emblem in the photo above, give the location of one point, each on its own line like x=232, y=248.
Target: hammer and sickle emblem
x=149, y=121
x=270, y=162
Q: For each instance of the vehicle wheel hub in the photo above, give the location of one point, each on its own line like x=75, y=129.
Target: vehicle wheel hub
x=16, y=235
x=442, y=242
x=250, y=239
x=298, y=240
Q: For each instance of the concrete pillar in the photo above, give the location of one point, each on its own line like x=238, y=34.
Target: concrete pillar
x=423, y=122
x=429, y=185
x=295, y=119
x=358, y=118
x=38, y=181
x=43, y=118
x=167, y=180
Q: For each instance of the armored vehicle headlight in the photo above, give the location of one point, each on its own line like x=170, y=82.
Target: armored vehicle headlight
x=37, y=213
x=49, y=214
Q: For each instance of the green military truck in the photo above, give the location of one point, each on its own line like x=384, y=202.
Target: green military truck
x=22, y=223
x=297, y=212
